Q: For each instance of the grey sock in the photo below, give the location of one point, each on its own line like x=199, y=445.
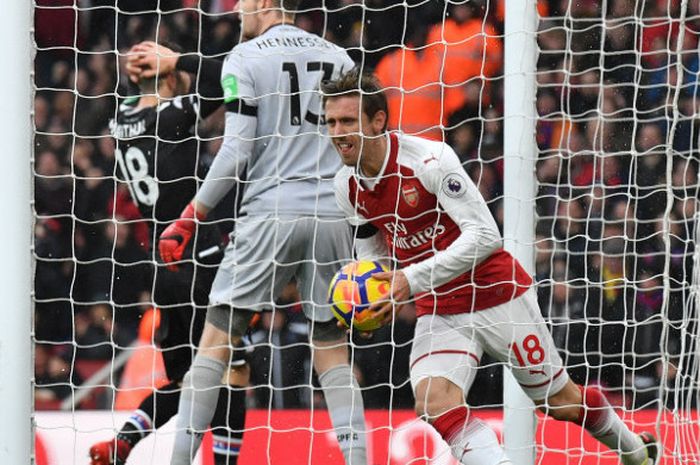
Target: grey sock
x=347, y=412
x=200, y=393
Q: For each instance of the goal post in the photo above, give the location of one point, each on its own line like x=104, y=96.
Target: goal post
x=519, y=191
x=15, y=267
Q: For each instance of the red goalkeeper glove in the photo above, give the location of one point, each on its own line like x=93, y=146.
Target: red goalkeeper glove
x=174, y=239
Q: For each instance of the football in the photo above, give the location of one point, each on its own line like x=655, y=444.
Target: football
x=353, y=290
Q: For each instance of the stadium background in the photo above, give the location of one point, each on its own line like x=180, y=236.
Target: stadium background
x=600, y=252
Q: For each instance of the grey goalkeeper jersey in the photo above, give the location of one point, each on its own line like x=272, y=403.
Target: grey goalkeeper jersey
x=274, y=125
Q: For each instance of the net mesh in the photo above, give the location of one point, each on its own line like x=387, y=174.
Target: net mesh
x=616, y=212
x=617, y=203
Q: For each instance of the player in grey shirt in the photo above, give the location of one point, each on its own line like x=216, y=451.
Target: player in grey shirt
x=273, y=122
x=291, y=226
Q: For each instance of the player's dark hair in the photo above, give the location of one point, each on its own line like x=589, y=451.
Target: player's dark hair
x=289, y=7
x=364, y=85
x=150, y=85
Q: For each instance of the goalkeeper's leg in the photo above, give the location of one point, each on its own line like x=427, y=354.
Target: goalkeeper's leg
x=199, y=398
x=159, y=407
x=588, y=407
x=229, y=418
x=341, y=391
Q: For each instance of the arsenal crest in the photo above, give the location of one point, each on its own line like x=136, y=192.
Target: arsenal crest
x=410, y=195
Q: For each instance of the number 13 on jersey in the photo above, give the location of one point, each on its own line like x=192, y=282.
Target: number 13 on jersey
x=294, y=90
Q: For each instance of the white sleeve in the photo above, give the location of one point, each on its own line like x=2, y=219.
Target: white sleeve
x=239, y=132
x=230, y=160
x=342, y=198
x=367, y=246
x=372, y=248
x=462, y=201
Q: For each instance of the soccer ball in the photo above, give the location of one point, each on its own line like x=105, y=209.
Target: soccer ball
x=353, y=290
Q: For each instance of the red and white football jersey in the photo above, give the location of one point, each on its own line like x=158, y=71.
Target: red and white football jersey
x=436, y=225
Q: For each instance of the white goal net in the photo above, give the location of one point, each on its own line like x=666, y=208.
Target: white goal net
x=616, y=220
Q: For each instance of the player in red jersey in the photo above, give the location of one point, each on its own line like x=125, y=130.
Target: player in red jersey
x=411, y=200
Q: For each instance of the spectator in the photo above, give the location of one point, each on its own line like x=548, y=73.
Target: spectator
x=570, y=234
x=552, y=127
x=649, y=168
x=566, y=313
x=94, y=332
x=610, y=298
x=418, y=102
x=604, y=103
x=54, y=377
x=585, y=90
x=52, y=189
x=463, y=39
x=53, y=318
x=464, y=137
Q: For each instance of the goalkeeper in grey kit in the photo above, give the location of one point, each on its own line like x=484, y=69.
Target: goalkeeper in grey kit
x=291, y=226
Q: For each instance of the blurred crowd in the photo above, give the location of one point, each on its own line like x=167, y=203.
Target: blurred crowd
x=617, y=176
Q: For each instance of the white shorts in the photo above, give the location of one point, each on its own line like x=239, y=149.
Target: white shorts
x=266, y=252
x=451, y=346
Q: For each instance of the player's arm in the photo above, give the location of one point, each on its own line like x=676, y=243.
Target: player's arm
x=231, y=159
x=207, y=84
x=461, y=200
x=148, y=59
x=239, y=133
x=368, y=241
x=228, y=165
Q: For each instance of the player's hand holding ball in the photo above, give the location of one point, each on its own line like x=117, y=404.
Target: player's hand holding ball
x=355, y=291
x=392, y=303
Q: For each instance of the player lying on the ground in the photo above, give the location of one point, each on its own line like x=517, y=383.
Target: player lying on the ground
x=154, y=135
x=412, y=201
x=292, y=226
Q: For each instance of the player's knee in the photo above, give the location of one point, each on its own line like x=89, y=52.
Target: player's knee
x=420, y=407
x=432, y=406
x=565, y=405
x=234, y=321
x=187, y=379
x=435, y=396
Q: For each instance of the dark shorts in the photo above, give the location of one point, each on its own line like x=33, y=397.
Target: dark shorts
x=181, y=322
x=182, y=297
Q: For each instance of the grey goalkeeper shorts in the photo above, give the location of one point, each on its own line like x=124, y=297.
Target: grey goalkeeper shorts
x=266, y=252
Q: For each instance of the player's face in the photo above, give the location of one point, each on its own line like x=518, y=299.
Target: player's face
x=350, y=128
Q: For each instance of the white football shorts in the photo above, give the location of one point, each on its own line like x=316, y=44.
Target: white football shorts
x=451, y=346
